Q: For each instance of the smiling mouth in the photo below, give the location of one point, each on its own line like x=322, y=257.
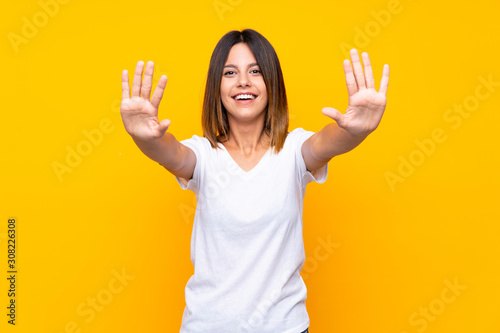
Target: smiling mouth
x=244, y=97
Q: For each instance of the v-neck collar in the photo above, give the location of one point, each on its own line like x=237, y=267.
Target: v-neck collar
x=256, y=167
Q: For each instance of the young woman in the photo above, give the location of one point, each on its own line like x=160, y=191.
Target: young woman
x=249, y=175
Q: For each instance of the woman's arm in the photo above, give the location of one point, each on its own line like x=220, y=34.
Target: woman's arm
x=140, y=118
x=170, y=153
x=364, y=112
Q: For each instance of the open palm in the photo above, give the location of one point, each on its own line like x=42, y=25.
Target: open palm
x=366, y=105
x=139, y=113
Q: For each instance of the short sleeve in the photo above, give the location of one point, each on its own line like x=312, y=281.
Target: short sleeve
x=195, y=143
x=319, y=176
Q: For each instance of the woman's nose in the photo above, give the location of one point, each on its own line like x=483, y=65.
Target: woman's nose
x=243, y=79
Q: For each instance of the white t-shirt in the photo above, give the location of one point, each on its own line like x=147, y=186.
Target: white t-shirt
x=247, y=246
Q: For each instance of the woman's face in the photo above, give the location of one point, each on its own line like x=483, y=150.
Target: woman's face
x=241, y=74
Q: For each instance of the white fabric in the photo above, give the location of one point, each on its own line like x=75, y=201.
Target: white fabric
x=247, y=245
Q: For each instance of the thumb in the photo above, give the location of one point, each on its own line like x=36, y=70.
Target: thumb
x=334, y=114
x=164, y=124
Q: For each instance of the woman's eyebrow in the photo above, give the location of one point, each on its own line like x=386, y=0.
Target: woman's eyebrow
x=249, y=65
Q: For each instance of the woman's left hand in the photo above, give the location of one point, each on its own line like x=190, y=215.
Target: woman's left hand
x=366, y=105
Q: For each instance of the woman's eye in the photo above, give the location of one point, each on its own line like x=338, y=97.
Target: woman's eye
x=255, y=71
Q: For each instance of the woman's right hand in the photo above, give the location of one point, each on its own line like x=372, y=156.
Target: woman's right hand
x=139, y=114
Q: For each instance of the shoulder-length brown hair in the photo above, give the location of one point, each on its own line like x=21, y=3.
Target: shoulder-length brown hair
x=214, y=114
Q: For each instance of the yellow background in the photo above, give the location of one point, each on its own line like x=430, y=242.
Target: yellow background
x=396, y=244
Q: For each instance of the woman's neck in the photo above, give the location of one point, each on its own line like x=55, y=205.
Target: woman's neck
x=246, y=141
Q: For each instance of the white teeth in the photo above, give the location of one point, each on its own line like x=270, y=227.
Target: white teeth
x=244, y=96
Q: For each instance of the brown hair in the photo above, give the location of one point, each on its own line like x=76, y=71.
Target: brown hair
x=214, y=115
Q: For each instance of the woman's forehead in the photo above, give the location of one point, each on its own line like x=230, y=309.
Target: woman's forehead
x=241, y=55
